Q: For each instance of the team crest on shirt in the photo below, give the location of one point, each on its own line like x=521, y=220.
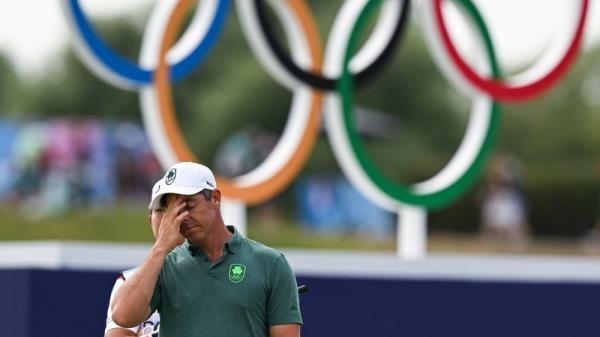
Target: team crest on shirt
x=237, y=272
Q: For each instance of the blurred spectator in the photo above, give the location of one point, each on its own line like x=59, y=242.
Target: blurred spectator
x=244, y=150
x=331, y=205
x=26, y=153
x=503, y=211
x=241, y=153
x=591, y=242
x=96, y=182
x=49, y=167
x=317, y=205
x=8, y=135
x=134, y=174
x=58, y=171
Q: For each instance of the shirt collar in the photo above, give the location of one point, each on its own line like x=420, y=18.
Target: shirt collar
x=232, y=246
x=190, y=248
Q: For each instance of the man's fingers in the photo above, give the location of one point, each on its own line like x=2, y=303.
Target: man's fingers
x=174, y=209
x=181, y=216
x=178, y=207
x=173, y=217
x=174, y=200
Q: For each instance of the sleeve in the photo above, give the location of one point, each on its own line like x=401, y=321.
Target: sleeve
x=109, y=322
x=283, y=306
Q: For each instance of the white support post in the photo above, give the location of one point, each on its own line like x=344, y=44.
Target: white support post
x=412, y=232
x=234, y=214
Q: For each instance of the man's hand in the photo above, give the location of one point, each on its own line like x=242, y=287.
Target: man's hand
x=168, y=236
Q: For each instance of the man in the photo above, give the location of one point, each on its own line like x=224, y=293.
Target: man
x=217, y=283
x=151, y=324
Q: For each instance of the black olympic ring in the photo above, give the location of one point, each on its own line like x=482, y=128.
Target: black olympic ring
x=319, y=81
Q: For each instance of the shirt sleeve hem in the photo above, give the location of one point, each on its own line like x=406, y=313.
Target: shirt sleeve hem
x=283, y=322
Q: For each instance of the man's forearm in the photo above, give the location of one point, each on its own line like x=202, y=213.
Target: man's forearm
x=131, y=305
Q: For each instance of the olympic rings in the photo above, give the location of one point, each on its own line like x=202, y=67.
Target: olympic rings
x=163, y=61
x=539, y=78
x=451, y=181
x=319, y=81
x=289, y=155
x=184, y=57
x=372, y=56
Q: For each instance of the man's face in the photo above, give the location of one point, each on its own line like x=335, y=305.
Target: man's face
x=202, y=212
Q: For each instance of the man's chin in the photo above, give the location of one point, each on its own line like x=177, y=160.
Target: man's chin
x=189, y=232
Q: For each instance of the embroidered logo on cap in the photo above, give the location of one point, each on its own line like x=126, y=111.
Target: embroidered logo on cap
x=170, y=178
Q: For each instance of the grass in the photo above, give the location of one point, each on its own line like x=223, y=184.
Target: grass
x=123, y=224
x=129, y=223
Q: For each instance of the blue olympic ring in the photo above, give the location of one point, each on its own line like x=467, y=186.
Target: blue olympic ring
x=134, y=72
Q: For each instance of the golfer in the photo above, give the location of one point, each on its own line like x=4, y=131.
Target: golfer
x=217, y=283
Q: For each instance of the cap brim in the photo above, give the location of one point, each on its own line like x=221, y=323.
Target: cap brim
x=155, y=203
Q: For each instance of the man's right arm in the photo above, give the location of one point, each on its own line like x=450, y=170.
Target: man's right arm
x=112, y=329
x=131, y=305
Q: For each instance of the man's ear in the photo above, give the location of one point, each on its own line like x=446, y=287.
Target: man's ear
x=217, y=196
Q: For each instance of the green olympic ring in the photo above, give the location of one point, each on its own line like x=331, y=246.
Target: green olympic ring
x=401, y=193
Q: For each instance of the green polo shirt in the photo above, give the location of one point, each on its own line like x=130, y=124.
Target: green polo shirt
x=250, y=288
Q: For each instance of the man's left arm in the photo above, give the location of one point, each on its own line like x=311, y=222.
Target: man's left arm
x=283, y=307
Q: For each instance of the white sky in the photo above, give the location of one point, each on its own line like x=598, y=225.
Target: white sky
x=32, y=31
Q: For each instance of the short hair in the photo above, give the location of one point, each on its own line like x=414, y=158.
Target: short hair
x=208, y=194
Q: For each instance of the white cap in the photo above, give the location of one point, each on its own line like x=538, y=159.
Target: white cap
x=183, y=178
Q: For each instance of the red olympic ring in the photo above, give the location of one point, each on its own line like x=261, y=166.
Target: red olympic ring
x=498, y=89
